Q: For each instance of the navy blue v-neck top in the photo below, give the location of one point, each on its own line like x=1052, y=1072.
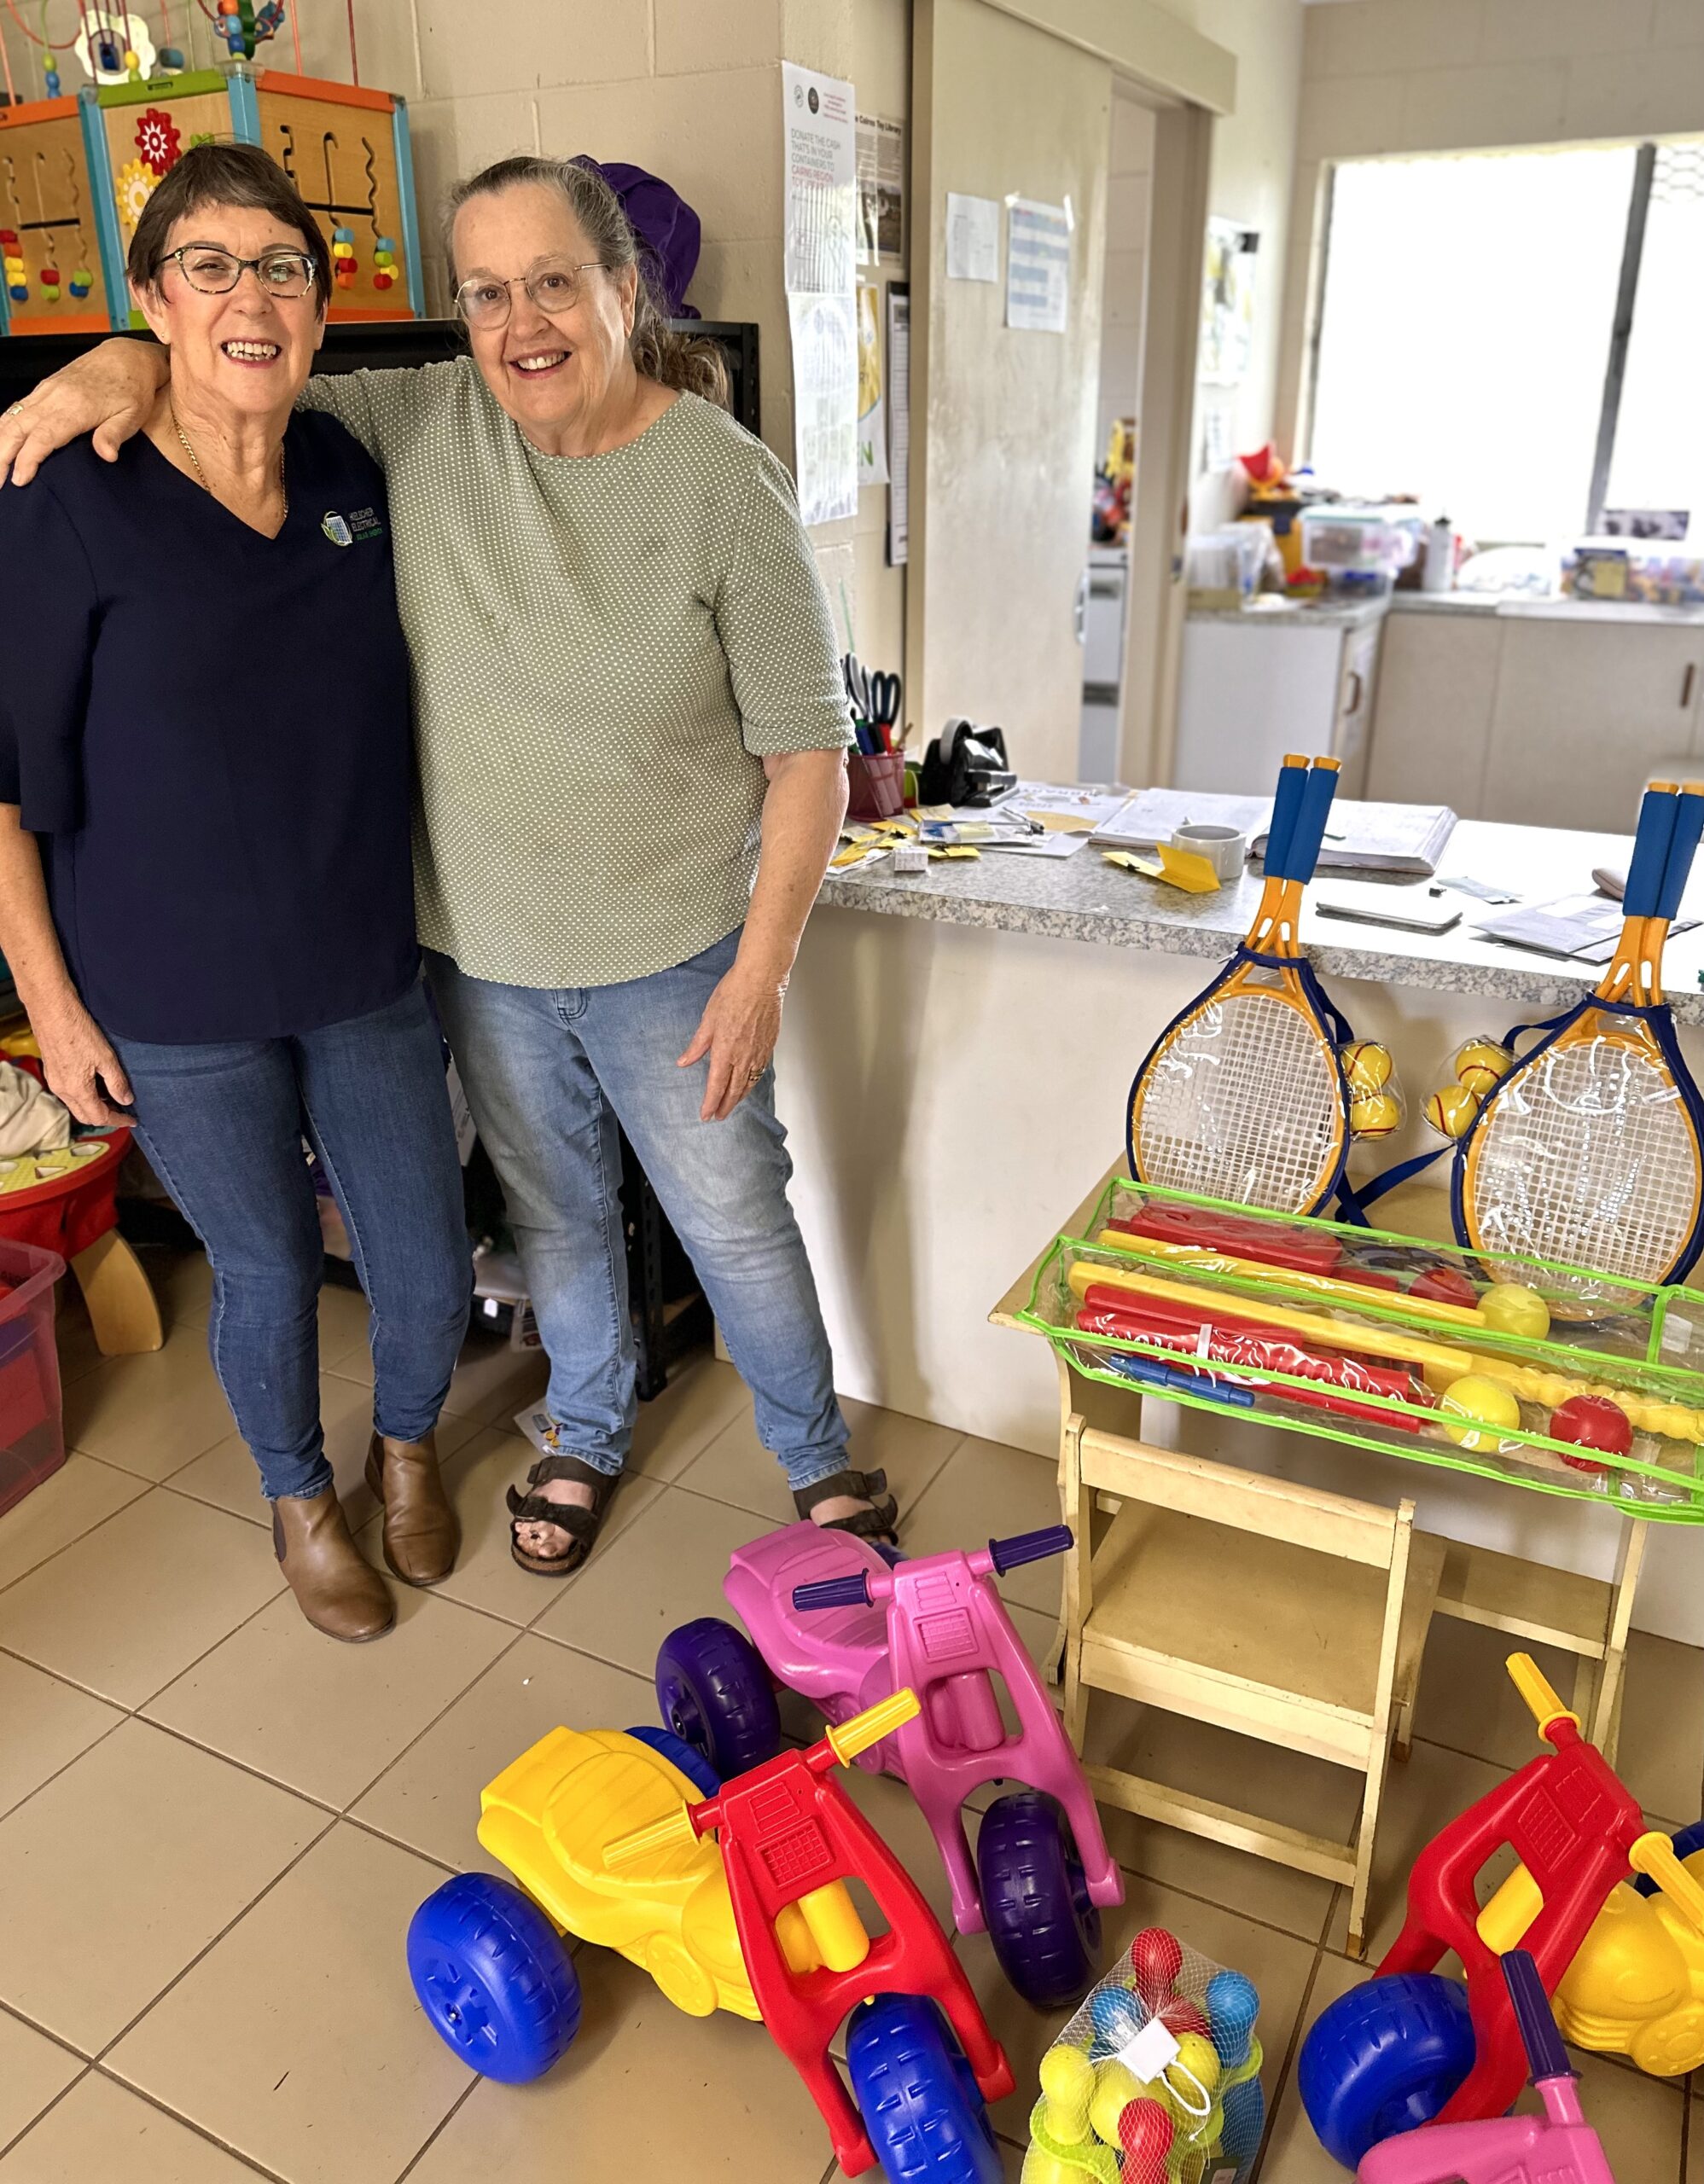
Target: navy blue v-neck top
x=212, y=731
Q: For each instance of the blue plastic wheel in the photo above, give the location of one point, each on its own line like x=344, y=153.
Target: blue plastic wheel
x=1045, y=1929
x=493, y=1978
x=918, y=2097
x=1384, y=2058
x=716, y=1695
x=692, y=1764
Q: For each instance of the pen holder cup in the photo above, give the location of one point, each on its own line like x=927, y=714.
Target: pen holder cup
x=876, y=786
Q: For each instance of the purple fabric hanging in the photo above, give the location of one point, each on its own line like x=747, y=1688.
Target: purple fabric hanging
x=666, y=225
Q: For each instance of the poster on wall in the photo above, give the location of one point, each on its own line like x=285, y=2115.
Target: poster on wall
x=972, y=238
x=1228, y=302
x=1038, y=265
x=825, y=377
x=880, y=190
x=872, y=423
x=820, y=183
x=898, y=424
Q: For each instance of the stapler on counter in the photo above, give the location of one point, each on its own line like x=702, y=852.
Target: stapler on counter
x=966, y=765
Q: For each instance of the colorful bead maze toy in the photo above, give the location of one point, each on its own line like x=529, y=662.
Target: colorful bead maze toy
x=1156, y=2079
x=76, y=171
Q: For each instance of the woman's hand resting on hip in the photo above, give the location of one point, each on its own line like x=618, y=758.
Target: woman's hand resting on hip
x=80, y=1065
x=738, y=1030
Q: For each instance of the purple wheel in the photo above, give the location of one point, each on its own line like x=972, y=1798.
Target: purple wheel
x=1044, y=1926
x=716, y=1695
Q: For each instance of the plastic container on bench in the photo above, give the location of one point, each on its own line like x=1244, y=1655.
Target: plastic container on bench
x=31, y=1436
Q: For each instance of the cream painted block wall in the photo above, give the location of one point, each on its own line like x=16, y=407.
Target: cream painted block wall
x=1411, y=76
x=881, y=70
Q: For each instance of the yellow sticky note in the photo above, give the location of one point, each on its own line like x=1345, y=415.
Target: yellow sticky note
x=960, y=851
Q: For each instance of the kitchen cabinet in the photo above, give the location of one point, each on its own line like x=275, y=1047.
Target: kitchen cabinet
x=1547, y=719
x=1254, y=685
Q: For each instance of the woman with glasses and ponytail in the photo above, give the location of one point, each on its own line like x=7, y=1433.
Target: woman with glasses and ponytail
x=630, y=728
x=206, y=768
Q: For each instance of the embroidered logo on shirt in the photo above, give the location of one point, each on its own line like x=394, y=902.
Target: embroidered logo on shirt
x=336, y=529
x=360, y=523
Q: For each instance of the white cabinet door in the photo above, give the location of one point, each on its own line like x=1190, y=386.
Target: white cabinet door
x=1352, y=733
x=1584, y=711
x=1431, y=718
x=1249, y=692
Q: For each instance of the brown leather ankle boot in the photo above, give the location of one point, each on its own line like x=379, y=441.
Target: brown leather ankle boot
x=336, y=1588
x=421, y=1530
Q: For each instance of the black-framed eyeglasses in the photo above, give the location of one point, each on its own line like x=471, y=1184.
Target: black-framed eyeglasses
x=553, y=288
x=282, y=274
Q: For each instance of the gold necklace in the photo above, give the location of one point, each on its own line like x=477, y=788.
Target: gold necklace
x=202, y=476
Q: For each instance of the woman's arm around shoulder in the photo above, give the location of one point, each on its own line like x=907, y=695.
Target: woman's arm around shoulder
x=107, y=392
x=386, y=409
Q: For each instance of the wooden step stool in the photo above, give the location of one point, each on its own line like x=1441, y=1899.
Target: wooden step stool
x=1272, y=1609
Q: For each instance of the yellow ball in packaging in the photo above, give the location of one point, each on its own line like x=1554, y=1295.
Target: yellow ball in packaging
x=1367, y=1065
x=1376, y=1116
x=1450, y=1110
x=1488, y=1403
x=1512, y=1308
x=1481, y=1063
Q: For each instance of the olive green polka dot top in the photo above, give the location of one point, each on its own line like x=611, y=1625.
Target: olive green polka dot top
x=605, y=649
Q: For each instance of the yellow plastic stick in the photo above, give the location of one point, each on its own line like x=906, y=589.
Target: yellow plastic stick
x=1443, y=1366
x=874, y=1722
x=673, y=1832
x=1205, y=1260
x=1534, y=1686
x=1654, y=1854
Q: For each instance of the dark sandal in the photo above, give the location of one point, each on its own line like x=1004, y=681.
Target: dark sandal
x=581, y=1524
x=878, y=1522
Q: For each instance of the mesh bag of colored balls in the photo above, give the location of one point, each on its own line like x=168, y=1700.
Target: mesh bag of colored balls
x=1513, y=1370
x=1156, y=2079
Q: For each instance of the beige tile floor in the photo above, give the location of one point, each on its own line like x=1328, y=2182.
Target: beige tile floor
x=215, y=1825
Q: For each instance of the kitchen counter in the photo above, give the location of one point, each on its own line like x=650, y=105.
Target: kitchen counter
x=1516, y=606
x=1083, y=898
x=1275, y=612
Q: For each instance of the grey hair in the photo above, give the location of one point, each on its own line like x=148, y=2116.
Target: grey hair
x=692, y=362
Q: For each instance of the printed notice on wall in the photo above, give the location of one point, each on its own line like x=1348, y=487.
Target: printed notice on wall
x=822, y=191
x=1038, y=266
x=872, y=424
x=898, y=424
x=880, y=190
x=825, y=404
x=972, y=238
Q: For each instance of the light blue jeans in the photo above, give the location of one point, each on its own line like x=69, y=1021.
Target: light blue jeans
x=548, y=1073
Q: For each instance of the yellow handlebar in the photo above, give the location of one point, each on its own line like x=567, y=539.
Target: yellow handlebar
x=870, y=1726
x=674, y=1831
x=1534, y=1686
x=1654, y=1854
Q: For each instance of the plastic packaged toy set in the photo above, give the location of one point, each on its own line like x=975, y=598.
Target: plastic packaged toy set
x=1156, y=2079
x=1546, y=1377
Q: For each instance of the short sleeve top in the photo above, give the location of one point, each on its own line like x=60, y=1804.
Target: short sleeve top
x=211, y=730
x=605, y=647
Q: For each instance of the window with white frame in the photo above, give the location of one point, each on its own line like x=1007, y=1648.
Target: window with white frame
x=1516, y=338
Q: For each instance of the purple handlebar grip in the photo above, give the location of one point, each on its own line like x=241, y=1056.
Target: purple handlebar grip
x=833, y=1591
x=1538, y=2033
x=1029, y=1547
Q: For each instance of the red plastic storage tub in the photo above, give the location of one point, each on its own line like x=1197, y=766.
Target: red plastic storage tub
x=31, y=1436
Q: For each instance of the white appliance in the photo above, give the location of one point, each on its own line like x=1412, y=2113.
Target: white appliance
x=1105, y=583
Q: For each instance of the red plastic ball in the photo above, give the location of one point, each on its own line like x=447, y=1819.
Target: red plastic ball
x=1156, y=1957
x=1444, y=1285
x=1592, y=1422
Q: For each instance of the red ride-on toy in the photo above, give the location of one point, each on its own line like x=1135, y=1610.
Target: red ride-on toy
x=1403, y=2050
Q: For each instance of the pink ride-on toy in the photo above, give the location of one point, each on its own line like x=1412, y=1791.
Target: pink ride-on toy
x=843, y=1624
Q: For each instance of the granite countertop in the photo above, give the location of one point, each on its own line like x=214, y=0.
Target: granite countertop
x=1082, y=898
x=1516, y=606
x=1280, y=613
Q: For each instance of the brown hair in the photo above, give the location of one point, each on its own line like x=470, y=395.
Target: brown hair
x=692, y=362
x=224, y=174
